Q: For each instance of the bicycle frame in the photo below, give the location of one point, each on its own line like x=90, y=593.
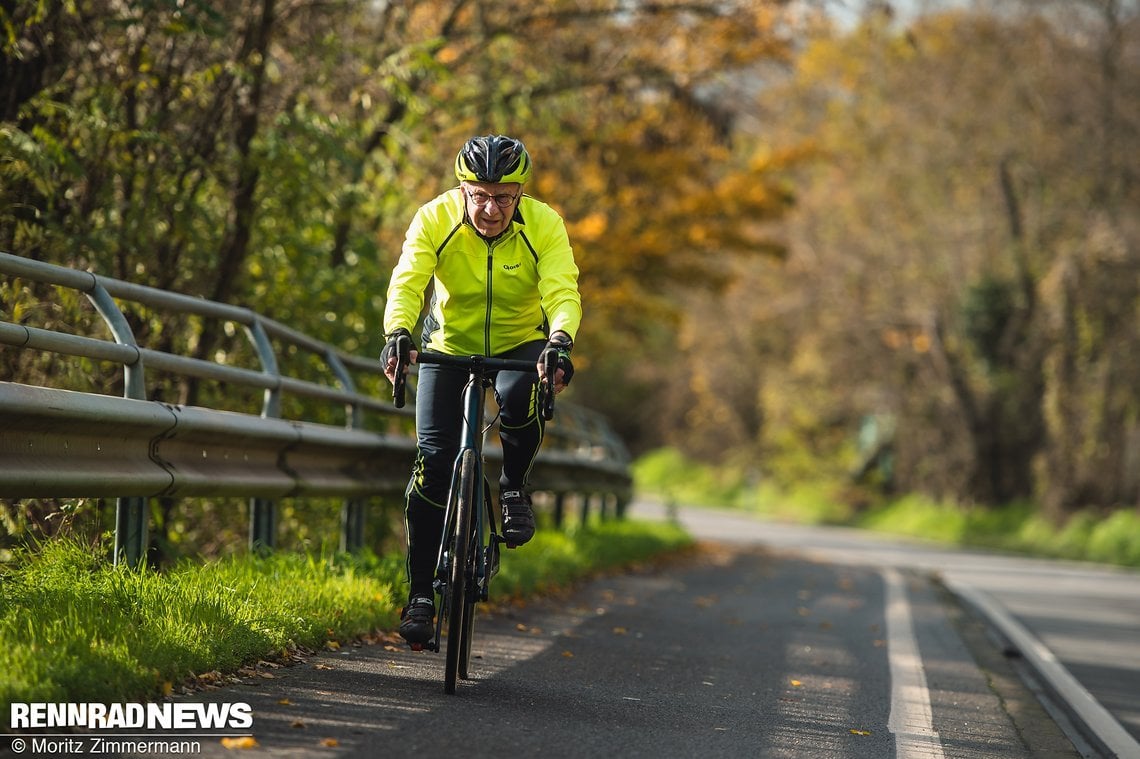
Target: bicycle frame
x=481, y=518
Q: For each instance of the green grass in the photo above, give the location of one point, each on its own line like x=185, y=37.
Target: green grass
x=73, y=628
x=1112, y=538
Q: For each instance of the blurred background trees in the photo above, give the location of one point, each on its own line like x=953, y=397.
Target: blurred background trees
x=966, y=248
x=790, y=228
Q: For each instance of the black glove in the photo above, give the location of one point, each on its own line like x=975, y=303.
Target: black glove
x=561, y=345
x=390, y=347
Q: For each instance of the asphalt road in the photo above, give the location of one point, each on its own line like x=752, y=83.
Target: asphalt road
x=1074, y=627
x=766, y=643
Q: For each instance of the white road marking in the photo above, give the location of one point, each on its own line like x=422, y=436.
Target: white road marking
x=1058, y=679
x=911, y=720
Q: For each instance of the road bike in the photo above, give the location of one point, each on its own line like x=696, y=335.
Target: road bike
x=470, y=545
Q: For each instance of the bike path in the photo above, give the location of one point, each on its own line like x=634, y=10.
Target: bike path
x=729, y=652
x=1075, y=625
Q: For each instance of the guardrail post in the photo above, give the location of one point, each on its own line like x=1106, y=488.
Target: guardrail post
x=262, y=525
x=130, y=531
x=352, y=525
x=559, y=509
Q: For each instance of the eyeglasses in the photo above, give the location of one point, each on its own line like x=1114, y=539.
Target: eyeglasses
x=481, y=198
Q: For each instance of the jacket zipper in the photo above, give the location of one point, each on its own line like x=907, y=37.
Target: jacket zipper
x=487, y=321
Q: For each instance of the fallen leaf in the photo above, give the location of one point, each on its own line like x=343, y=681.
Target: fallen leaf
x=247, y=741
x=620, y=631
x=853, y=731
x=285, y=702
x=568, y=654
x=297, y=723
x=322, y=666
x=796, y=684
x=330, y=742
x=332, y=645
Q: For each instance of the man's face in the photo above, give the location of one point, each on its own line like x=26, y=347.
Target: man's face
x=491, y=205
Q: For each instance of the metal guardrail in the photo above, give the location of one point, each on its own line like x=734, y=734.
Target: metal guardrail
x=58, y=443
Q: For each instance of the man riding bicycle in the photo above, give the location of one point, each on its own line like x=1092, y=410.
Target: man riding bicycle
x=504, y=284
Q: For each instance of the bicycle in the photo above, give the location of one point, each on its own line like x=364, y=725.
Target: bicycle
x=469, y=547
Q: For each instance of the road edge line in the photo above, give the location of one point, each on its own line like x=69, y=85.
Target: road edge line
x=1090, y=718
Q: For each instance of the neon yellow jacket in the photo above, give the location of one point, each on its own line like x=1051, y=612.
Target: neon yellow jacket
x=488, y=297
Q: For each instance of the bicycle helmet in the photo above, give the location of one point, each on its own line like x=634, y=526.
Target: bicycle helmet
x=494, y=158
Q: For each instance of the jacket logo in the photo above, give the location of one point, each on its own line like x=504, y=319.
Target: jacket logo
x=511, y=267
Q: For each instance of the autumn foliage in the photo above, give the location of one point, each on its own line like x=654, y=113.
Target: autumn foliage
x=785, y=228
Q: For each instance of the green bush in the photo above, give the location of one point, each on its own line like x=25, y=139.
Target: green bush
x=1087, y=536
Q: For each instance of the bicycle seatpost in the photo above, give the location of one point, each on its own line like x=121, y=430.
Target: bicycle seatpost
x=399, y=384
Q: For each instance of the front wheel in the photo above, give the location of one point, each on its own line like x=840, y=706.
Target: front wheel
x=460, y=582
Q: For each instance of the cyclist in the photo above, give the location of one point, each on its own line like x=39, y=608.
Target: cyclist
x=504, y=283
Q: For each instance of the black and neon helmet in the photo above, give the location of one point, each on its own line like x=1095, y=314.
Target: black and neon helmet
x=493, y=158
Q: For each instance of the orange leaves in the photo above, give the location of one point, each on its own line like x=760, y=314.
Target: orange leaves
x=705, y=602
x=247, y=741
x=590, y=228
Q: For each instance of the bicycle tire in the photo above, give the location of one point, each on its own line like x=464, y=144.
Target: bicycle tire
x=472, y=595
x=468, y=633
x=459, y=580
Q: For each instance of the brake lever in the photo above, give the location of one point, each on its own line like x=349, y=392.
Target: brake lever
x=400, y=383
x=550, y=367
